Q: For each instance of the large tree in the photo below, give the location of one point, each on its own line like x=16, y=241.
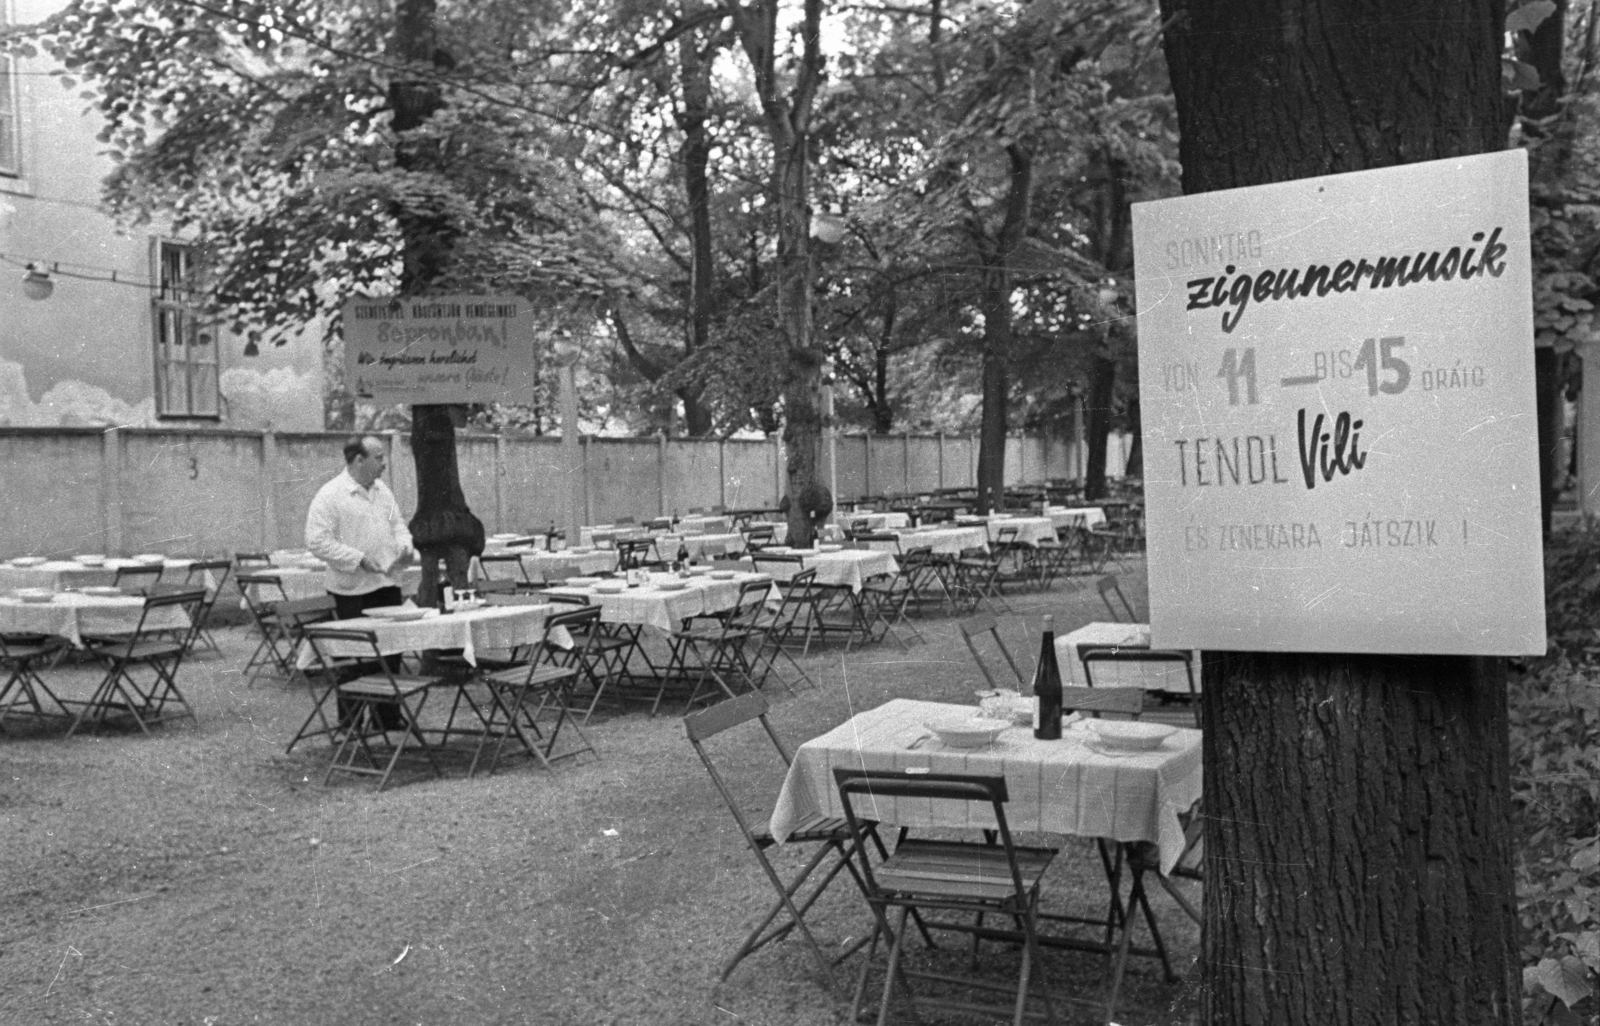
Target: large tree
x=1358, y=855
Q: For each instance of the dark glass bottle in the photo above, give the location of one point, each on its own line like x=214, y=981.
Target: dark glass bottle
x=1047, y=687
x=550, y=538
x=444, y=588
x=683, y=554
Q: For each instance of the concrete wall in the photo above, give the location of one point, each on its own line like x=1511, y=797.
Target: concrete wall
x=195, y=492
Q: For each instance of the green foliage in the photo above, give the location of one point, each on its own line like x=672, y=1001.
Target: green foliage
x=1555, y=769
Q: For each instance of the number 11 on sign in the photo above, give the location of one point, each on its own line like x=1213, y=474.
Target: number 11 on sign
x=1235, y=367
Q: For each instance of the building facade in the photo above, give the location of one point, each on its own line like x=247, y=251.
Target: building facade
x=101, y=325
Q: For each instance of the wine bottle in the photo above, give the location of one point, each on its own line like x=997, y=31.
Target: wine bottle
x=1047, y=687
x=683, y=554
x=445, y=590
x=550, y=538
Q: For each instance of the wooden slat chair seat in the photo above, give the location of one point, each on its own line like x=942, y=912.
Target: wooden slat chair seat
x=1108, y=586
x=833, y=839
x=361, y=739
x=953, y=883
x=153, y=649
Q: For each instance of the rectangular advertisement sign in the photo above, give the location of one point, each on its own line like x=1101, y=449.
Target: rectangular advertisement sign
x=440, y=349
x=1336, y=392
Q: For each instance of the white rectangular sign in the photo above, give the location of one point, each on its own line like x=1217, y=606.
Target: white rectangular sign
x=440, y=349
x=1336, y=391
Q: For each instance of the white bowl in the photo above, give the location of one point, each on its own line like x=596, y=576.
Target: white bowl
x=778, y=550
x=610, y=588
x=150, y=557
x=973, y=732
x=723, y=575
x=92, y=560
x=830, y=548
x=1130, y=735
x=29, y=561
x=581, y=550
x=672, y=585
x=698, y=571
x=37, y=595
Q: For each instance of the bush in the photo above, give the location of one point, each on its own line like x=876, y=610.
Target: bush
x=1555, y=783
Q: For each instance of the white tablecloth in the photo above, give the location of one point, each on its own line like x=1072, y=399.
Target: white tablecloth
x=492, y=628
x=650, y=606
x=1080, y=516
x=700, y=546
x=848, y=568
x=543, y=566
x=71, y=615
x=875, y=521
x=1056, y=787
x=1030, y=530
x=61, y=574
x=946, y=540
x=1151, y=676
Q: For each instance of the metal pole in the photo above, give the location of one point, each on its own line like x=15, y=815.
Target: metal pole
x=571, y=450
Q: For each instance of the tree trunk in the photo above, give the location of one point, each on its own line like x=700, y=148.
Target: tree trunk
x=1549, y=411
x=992, y=430
x=1135, y=465
x=696, y=154
x=443, y=527
x=996, y=304
x=1358, y=857
x=787, y=116
x=1102, y=387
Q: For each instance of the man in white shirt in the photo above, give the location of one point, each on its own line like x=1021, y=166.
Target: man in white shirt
x=354, y=525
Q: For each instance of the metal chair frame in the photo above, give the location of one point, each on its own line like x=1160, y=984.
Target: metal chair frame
x=20, y=654
x=158, y=649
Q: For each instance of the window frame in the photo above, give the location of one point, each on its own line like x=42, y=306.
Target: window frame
x=11, y=164
x=177, y=311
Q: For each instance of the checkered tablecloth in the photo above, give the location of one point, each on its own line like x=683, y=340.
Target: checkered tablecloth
x=62, y=574
x=473, y=631
x=651, y=606
x=71, y=615
x=848, y=568
x=1151, y=676
x=1056, y=787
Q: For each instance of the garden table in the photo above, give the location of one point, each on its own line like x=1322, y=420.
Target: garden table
x=544, y=566
x=1151, y=676
x=1074, y=516
x=705, y=524
x=65, y=574
x=651, y=606
x=875, y=521
x=1067, y=786
x=473, y=631
x=700, y=546
x=72, y=615
x=1030, y=530
x=847, y=568
x=780, y=530
x=951, y=541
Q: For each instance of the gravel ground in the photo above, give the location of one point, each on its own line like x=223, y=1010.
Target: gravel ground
x=199, y=876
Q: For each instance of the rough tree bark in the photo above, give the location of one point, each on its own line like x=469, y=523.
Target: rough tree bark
x=443, y=526
x=1358, y=857
x=995, y=301
x=787, y=114
x=693, y=119
x=1114, y=249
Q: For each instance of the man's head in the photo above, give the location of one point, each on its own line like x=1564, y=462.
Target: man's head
x=364, y=459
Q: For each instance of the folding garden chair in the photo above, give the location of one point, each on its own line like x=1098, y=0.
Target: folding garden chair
x=157, y=647
x=768, y=627
x=935, y=878
x=292, y=617
x=361, y=739
x=260, y=592
x=831, y=837
x=25, y=692
x=212, y=575
x=755, y=537
x=521, y=694
x=977, y=628
x=251, y=561
x=1108, y=586
x=1090, y=655
x=798, y=614
x=135, y=579
x=507, y=566
x=636, y=554
x=716, y=648
x=976, y=579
